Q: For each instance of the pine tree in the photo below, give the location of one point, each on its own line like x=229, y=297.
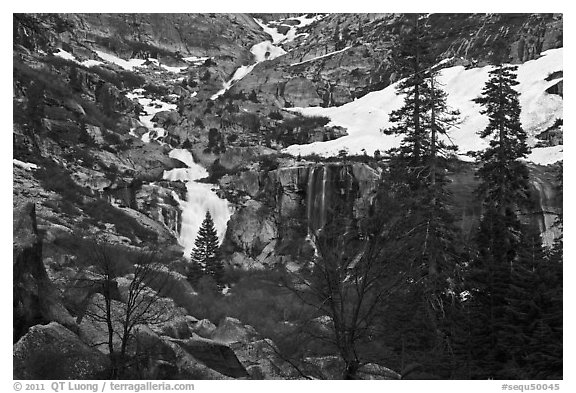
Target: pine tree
x=205, y=255
x=498, y=279
x=417, y=172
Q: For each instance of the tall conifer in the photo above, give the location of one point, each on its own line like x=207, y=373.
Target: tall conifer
x=498, y=279
x=205, y=255
x=417, y=173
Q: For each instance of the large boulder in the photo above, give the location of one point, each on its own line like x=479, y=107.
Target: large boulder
x=231, y=330
x=204, y=328
x=262, y=360
x=54, y=352
x=214, y=355
x=36, y=300
x=166, y=118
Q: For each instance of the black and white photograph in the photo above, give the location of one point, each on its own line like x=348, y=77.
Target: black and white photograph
x=287, y=196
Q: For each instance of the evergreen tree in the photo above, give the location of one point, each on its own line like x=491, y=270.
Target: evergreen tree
x=499, y=279
x=417, y=172
x=205, y=255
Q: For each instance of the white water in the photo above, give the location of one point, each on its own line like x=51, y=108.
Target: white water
x=265, y=50
x=292, y=33
x=200, y=198
x=151, y=107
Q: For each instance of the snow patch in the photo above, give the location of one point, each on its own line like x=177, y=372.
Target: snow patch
x=195, y=59
x=320, y=57
x=65, y=55
x=69, y=56
x=28, y=166
x=175, y=70
x=91, y=63
x=126, y=64
x=546, y=155
x=266, y=51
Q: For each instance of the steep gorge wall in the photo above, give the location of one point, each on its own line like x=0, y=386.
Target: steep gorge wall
x=284, y=206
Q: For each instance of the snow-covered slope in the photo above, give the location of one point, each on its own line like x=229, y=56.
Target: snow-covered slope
x=364, y=118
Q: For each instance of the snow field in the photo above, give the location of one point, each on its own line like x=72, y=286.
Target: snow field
x=365, y=117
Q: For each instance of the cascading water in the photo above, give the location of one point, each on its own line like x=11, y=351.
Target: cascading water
x=316, y=197
x=200, y=198
x=331, y=189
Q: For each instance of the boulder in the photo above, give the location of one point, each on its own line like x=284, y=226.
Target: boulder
x=54, y=352
x=231, y=330
x=204, y=328
x=261, y=360
x=178, y=327
x=166, y=118
x=214, y=355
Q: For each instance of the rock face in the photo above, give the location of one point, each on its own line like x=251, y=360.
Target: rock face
x=291, y=201
x=544, y=209
x=346, y=56
x=167, y=37
x=36, y=300
x=286, y=204
x=54, y=352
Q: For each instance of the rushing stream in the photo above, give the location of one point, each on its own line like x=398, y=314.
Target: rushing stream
x=199, y=198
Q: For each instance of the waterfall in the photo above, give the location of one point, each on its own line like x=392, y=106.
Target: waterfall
x=323, y=197
x=316, y=197
x=310, y=196
x=200, y=198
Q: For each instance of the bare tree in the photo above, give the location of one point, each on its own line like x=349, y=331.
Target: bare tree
x=349, y=280
x=121, y=313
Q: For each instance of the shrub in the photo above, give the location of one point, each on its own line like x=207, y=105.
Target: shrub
x=205, y=77
x=275, y=115
x=156, y=90
x=255, y=299
x=130, y=80
x=55, y=178
x=268, y=163
x=305, y=123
